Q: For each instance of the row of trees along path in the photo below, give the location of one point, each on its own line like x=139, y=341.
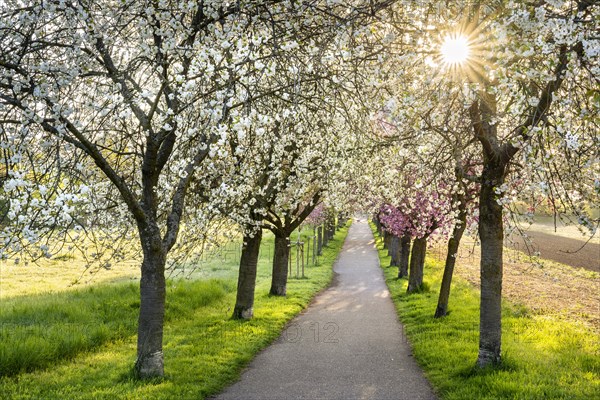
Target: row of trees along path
x=149, y=122
x=347, y=345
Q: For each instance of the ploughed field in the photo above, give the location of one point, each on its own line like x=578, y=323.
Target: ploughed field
x=566, y=246
x=563, y=280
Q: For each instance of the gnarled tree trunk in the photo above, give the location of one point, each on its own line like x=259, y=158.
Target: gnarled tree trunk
x=281, y=256
x=453, y=244
x=320, y=240
x=394, y=251
x=417, y=262
x=331, y=228
x=282, y=227
x=150, y=361
x=404, y=256
x=244, y=303
x=491, y=234
x=496, y=157
x=341, y=221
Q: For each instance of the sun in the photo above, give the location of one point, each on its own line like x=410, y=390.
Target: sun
x=455, y=50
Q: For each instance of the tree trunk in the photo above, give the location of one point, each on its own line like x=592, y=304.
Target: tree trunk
x=386, y=241
x=377, y=224
x=314, y=251
x=453, y=244
x=281, y=255
x=395, y=251
x=150, y=361
x=330, y=226
x=417, y=262
x=320, y=240
x=404, y=255
x=331, y=232
x=244, y=302
x=491, y=234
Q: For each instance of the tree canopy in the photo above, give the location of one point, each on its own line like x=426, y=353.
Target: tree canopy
x=165, y=115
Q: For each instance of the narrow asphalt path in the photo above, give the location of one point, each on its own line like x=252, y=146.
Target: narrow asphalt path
x=347, y=345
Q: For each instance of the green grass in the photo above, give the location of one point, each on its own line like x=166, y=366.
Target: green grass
x=204, y=348
x=39, y=329
x=543, y=357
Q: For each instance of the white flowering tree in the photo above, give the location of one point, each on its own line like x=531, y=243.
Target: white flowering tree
x=158, y=113
x=147, y=93
x=526, y=75
x=38, y=201
x=144, y=92
x=308, y=124
x=512, y=112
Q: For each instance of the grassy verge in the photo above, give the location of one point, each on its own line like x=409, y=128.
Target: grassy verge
x=204, y=349
x=37, y=331
x=543, y=357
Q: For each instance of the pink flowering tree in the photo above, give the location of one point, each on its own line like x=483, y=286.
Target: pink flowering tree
x=428, y=211
x=317, y=218
x=463, y=206
x=396, y=226
x=528, y=85
x=417, y=216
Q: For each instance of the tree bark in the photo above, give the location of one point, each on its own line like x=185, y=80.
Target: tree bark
x=330, y=226
x=453, y=244
x=417, y=262
x=244, y=303
x=282, y=227
x=331, y=232
x=320, y=240
x=150, y=361
x=377, y=224
x=325, y=235
x=491, y=234
x=314, y=251
x=496, y=157
x=404, y=256
x=394, y=251
x=281, y=256
x=386, y=241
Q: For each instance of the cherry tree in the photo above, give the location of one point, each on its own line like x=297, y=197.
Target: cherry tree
x=524, y=74
x=449, y=132
x=418, y=215
x=397, y=224
x=311, y=121
x=316, y=219
x=146, y=93
x=568, y=65
x=37, y=201
x=441, y=146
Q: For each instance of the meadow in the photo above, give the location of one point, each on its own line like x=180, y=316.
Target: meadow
x=544, y=356
x=79, y=343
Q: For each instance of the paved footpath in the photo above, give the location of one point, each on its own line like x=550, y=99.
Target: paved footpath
x=347, y=345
